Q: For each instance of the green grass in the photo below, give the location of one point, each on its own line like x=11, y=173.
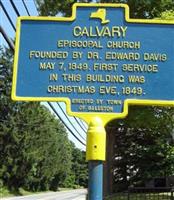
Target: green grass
x=4, y=192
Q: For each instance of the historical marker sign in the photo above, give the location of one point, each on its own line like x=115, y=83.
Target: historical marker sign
x=97, y=61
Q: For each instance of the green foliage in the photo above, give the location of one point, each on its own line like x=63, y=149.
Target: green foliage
x=78, y=174
x=52, y=8
x=35, y=151
x=168, y=14
x=143, y=146
x=79, y=166
x=138, y=8
x=145, y=8
x=4, y=192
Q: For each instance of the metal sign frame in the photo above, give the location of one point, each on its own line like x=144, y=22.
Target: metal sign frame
x=87, y=116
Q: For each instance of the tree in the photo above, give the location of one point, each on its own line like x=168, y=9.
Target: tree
x=35, y=151
x=145, y=8
x=78, y=174
x=7, y=108
x=143, y=146
x=168, y=14
x=52, y=8
x=138, y=8
x=34, y=144
x=79, y=166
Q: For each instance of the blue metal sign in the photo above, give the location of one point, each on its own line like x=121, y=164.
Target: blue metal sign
x=96, y=60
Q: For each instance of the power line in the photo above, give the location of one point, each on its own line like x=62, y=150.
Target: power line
x=8, y=40
x=11, y=45
x=14, y=7
x=65, y=124
x=79, y=124
x=58, y=103
x=83, y=124
x=70, y=121
x=84, y=129
x=25, y=7
x=36, y=6
x=7, y=15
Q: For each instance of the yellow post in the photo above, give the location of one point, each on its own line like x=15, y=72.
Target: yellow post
x=95, y=154
x=96, y=140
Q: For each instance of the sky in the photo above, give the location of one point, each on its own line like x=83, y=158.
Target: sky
x=4, y=22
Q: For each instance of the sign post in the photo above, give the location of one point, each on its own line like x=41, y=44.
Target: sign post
x=95, y=154
x=98, y=61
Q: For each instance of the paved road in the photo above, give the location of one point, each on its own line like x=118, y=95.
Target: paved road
x=65, y=195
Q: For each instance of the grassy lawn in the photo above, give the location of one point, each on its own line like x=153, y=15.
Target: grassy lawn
x=4, y=192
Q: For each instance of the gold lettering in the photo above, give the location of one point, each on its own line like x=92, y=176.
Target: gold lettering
x=140, y=68
x=136, y=79
x=107, y=90
x=100, y=108
x=77, y=31
x=78, y=44
x=105, y=66
x=71, y=77
x=48, y=54
x=114, y=102
x=82, y=101
x=105, y=31
x=104, y=78
x=84, y=32
x=71, y=89
x=121, y=56
x=47, y=65
x=155, y=57
x=53, y=77
x=123, y=45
